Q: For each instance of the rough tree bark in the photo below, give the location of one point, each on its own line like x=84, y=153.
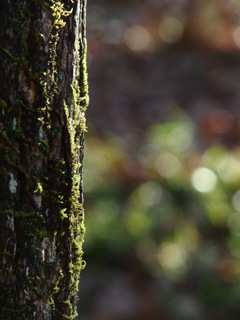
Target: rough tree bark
x=43, y=99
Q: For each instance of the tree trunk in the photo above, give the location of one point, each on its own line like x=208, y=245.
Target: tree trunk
x=43, y=99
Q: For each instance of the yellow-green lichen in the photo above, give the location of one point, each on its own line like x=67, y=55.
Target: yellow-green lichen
x=84, y=96
x=63, y=213
x=39, y=188
x=58, y=12
x=48, y=78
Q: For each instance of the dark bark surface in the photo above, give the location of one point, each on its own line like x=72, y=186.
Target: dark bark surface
x=43, y=97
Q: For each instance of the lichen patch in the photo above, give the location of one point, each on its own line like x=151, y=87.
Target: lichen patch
x=12, y=183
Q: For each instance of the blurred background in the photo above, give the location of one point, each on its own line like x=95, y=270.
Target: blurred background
x=162, y=161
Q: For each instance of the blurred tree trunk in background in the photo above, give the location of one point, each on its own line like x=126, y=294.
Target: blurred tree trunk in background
x=43, y=98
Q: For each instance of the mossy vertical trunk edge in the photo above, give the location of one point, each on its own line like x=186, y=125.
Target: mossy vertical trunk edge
x=43, y=100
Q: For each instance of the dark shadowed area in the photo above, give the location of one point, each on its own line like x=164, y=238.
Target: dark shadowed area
x=162, y=165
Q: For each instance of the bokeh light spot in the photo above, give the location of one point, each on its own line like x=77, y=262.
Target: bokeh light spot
x=204, y=180
x=173, y=258
x=228, y=168
x=150, y=193
x=170, y=30
x=168, y=165
x=137, y=223
x=187, y=236
x=96, y=18
x=114, y=31
x=181, y=138
x=137, y=38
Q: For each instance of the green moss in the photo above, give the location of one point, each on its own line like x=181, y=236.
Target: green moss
x=76, y=127
x=84, y=96
x=44, y=145
x=8, y=141
x=22, y=214
x=3, y=104
x=56, y=287
x=39, y=188
x=12, y=165
x=25, y=107
x=53, y=196
x=63, y=213
x=11, y=55
x=48, y=78
x=59, y=12
x=23, y=25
